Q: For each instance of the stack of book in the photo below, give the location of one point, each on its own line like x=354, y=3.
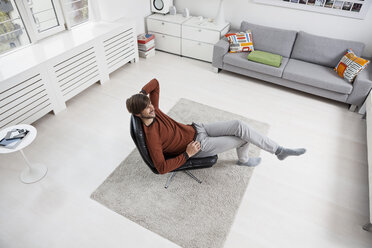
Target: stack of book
x=13, y=138
x=146, y=45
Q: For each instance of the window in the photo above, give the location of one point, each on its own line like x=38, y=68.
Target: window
x=44, y=17
x=12, y=31
x=76, y=11
x=26, y=21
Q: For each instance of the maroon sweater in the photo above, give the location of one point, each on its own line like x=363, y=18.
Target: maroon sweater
x=165, y=136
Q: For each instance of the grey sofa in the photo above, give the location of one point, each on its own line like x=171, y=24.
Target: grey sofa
x=307, y=65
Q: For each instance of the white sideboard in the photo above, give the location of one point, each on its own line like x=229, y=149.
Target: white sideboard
x=199, y=37
x=167, y=30
x=186, y=36
x=41, y=77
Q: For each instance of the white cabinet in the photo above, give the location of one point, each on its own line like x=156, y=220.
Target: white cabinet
x=190, y=37
x=199, y=37
x=167, y=43
x=167, y=30
x=197, y=50
x=164, y=27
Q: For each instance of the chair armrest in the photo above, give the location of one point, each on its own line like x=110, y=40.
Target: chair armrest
x=219, y=51
x=361, y=87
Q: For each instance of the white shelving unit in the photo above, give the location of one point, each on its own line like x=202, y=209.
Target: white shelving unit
x=41, y=77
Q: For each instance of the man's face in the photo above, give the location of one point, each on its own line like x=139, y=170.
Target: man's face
x=148, y=112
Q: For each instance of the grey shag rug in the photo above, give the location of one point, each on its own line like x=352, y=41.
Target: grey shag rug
x=187, y=213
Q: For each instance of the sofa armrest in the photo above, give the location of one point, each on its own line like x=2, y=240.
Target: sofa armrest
x=219, y=51
x=361, y=87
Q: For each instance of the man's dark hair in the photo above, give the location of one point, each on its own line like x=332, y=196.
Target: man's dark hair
x=137, y=103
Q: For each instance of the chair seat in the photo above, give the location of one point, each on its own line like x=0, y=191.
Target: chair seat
x=198, y=163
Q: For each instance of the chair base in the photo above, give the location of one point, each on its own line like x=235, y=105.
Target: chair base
x=171, y=176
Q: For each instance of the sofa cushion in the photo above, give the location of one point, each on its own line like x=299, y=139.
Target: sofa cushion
x=240, y=60
x=322, y=50
x=272, y=40
x=315, y=75
x=240, y=42
x=350, y=66
x=265, y=58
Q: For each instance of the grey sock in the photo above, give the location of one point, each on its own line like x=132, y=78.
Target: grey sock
x=283, y=152
x=252, y=162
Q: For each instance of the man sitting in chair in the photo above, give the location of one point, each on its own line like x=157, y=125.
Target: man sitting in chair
x=181, y=142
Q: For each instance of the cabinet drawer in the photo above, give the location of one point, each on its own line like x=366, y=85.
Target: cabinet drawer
x=164, y=27
x=168, y=43
x=198, y=50
x=200, y=34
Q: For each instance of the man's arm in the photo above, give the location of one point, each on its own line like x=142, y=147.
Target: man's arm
x=161, y=164
x=153, y=89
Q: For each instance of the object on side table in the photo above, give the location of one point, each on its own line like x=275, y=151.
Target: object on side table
x=13, y=138
x=16, y=133
x=161, y=6
x=33, y=172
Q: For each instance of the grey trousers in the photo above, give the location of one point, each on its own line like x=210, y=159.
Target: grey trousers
x=221, y=136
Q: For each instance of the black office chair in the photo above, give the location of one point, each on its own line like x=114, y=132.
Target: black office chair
x=138, y=136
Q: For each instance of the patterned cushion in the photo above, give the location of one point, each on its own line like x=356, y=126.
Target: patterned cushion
x=240, y=42
x=350, y=65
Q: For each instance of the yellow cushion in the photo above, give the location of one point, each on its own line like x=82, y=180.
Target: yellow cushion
x=350, y=65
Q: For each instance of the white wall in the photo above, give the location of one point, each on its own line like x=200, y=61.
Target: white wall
x=111, y=10
x=312, y=22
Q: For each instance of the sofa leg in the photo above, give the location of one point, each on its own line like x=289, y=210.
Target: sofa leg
x=169, y=180
x=367, y=227
x=352, y=108
x=216, y=69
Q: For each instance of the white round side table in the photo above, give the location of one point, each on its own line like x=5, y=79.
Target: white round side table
x=33, y=172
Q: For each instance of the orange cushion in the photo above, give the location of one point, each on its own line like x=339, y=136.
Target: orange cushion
x=350, y=65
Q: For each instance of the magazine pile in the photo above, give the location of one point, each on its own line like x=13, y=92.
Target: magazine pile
x=146, y=45
x=13, y=138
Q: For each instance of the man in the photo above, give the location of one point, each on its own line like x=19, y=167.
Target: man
x=164, y=136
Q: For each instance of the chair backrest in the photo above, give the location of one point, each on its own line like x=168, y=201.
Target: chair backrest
x=139, y=138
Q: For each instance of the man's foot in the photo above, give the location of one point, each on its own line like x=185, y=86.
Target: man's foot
x=252, y=162
x=282, y=152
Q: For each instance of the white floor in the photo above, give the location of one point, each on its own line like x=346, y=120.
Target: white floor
x=317, y=200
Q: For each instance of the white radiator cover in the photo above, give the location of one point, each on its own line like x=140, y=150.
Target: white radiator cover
x=72, y=61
